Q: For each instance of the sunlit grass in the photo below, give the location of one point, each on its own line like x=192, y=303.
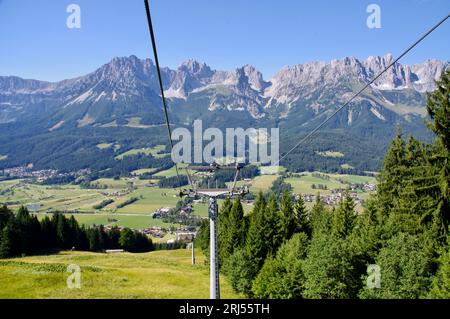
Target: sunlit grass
x=162, y=274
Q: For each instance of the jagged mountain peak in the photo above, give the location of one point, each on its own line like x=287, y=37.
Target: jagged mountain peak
x=385, y=59
x=255, y=78
x=195, y=67
x=125, y=82
x=126, y=67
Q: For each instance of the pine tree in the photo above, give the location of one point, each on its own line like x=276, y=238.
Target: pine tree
x=367, y=232
x=113, y=238
x=93, y=236
x=241, y=269
x=223, y=231
x=127, y=239
x=34, y=229
x=302, y=222
x=344, y=216
x=271, y=226
x=236, y=225
x=6, y=242
x=103, y=237
x=73, y=230
x=438, y=107
x=282, y=275
x=5, y=216
x=330, y=268
x=82, y=239
x=62, y=229
x=391, y=177
x=25, y=230
x=320, y=217
x=202, y=239
x=405, y=269
x=441, y=281
x=288, y=223
x=255, y=244
x=48, y=233
x=259, y=206
x=23, y=215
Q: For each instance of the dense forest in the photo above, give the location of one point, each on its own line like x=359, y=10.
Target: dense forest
x=23, y=234
x=398, y=247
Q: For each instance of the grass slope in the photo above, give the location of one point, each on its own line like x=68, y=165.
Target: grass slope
x=162, y=274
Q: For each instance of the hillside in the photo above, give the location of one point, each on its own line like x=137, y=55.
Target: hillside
x=162, y=274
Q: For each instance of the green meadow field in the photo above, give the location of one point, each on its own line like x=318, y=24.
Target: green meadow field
x=171, y=172
x=154, y=275
x=150, y=199
x=262, y=183
x=302, y=182
x=71, y=198
x=157, y=152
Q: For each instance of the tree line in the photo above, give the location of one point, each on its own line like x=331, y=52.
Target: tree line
x=283, y=250
x=23, y=234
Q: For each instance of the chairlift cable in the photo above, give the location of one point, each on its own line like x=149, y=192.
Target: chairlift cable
x=155, y=54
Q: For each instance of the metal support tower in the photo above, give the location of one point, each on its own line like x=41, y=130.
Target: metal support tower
x=212, y=194
x=193, y=251
x=214, y=259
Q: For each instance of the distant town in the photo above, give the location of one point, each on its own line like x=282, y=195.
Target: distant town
x=39, y=175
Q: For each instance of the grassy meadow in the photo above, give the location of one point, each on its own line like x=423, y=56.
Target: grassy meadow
x=154, y=275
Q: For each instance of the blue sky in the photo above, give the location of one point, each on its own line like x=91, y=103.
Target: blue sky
x=36, y=43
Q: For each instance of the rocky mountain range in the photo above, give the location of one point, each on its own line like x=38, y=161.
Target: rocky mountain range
x=124, y=93
x=127, y=87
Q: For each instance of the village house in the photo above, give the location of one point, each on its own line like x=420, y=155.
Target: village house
x=157, y=232
x=184, y=236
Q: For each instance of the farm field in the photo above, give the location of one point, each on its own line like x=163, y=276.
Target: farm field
x=356, y=179
x=156, y=152
x=302, y=182
x=262, y=183
x=70, y=198
x=161, y=274
x=150, y=199
x=171, y=172
x=66, y=197
x=119, y=183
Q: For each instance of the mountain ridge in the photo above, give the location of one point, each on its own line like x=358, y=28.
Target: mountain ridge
x=51, y=124
x=243, y=89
